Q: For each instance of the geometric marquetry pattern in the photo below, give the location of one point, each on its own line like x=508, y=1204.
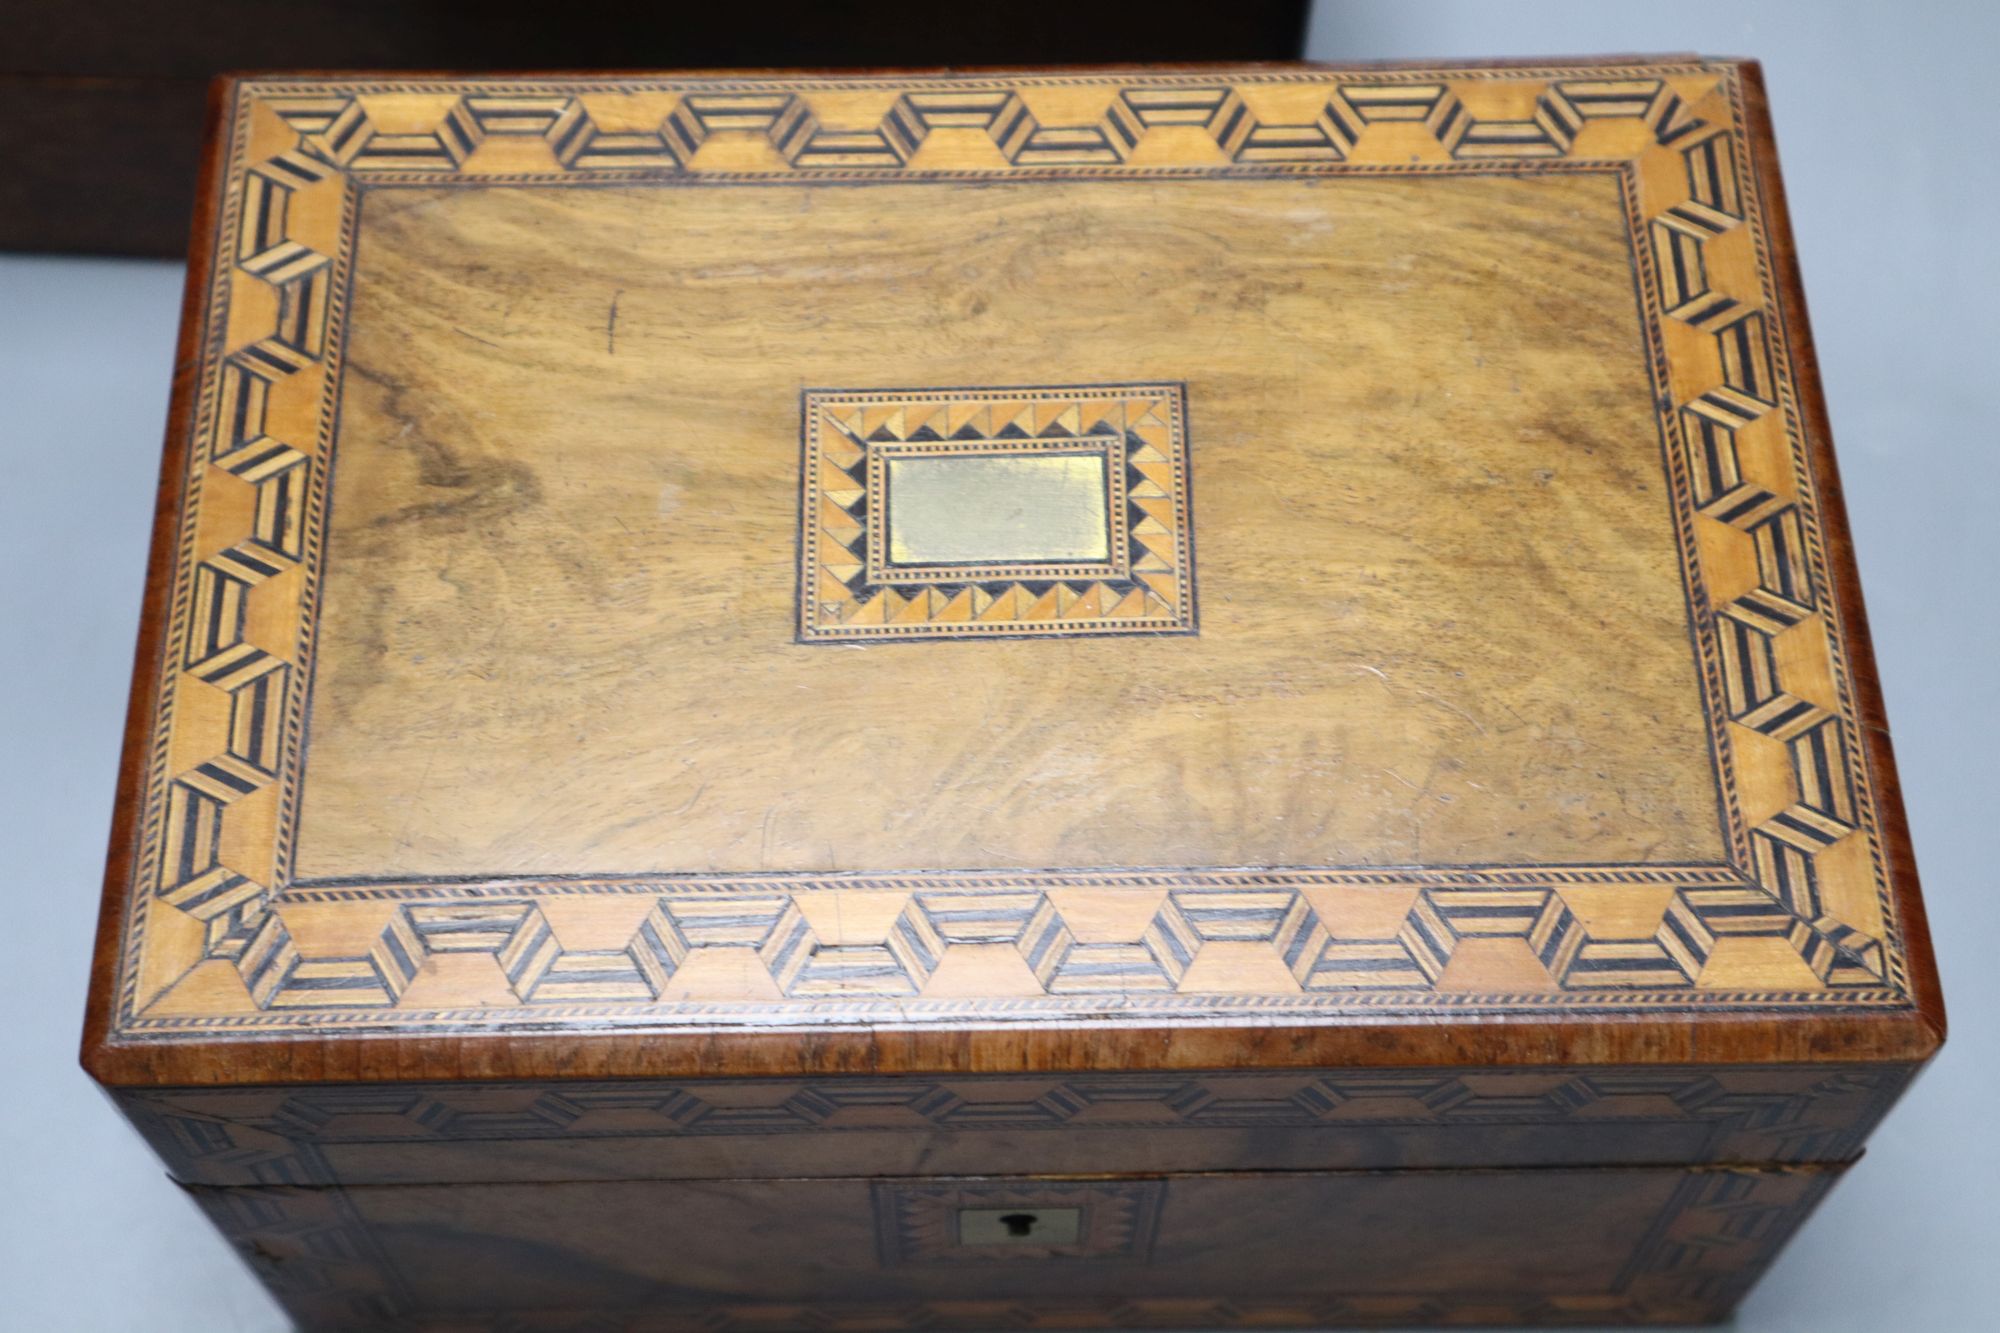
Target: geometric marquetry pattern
x=243, y=442
x=1145, y=586
x=280, y=1136
x=1743, y=392
x=1704, y=1247
x=339, y=130
x=1158, y=958
x=222, y=779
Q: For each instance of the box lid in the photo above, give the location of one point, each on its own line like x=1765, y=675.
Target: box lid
x=727, y=575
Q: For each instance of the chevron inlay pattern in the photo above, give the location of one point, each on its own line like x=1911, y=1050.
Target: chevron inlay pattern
x=217, y=939
x=1022, y=125
x=281, y=1136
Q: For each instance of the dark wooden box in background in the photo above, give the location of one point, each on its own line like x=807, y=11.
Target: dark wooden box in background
x=101, y=104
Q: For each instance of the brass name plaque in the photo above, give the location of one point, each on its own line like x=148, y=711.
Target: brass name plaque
x=998, y=508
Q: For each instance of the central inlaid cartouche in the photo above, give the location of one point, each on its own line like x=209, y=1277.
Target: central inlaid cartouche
x=962, y=512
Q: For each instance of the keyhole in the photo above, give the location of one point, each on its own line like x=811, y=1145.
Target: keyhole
x=1040, y=1227
x=1019, y=1224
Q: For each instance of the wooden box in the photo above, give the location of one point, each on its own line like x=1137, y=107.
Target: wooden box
x=1165, y=698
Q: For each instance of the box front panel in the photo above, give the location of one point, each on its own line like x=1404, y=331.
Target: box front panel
x=1187, y=1252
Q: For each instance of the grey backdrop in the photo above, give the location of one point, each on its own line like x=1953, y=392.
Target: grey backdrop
x=1886, y=117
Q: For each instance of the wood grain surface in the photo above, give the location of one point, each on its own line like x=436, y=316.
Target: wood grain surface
x=1527, y=716
x=1368, y=1249
x=555, y=635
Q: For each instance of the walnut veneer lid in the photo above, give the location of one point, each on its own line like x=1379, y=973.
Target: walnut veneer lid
x=723, y=574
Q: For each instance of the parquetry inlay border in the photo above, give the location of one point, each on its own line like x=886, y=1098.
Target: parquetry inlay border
x=213, y=876
x=293, y=1135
